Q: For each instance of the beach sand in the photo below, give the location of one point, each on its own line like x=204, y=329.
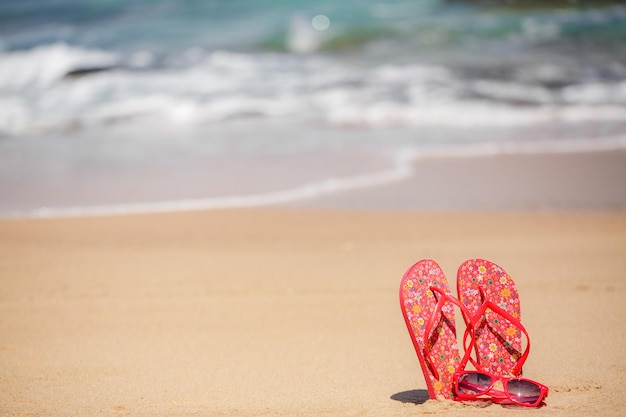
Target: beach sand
x=291, y=311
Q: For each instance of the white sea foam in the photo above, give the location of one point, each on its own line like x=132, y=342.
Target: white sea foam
x=468, y=115
x=38, y=68
x=35, y=96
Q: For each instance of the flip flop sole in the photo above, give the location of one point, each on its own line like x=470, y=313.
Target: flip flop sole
x=418, y=306
x=498, y=341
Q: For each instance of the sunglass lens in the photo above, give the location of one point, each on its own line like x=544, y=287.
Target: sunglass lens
x=524, y=391
x=474, y=383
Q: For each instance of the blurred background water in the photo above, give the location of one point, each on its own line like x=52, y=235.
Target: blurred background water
x=244, y=102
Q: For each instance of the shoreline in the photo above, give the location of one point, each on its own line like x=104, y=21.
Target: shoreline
x=521, y=180
x=587, y=181
x=283, y=312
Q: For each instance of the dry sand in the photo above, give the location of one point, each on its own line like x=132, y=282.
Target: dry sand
x=290, y=312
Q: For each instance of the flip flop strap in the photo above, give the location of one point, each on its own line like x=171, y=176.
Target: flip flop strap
x=434, y=318
x=471, y=330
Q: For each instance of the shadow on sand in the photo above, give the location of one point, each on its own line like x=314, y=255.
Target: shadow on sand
x=415, y=396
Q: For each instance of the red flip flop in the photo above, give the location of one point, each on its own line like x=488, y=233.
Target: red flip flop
x=427, y=307
x=490, y=296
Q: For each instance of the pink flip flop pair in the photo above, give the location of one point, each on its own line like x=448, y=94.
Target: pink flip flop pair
x=489, y=303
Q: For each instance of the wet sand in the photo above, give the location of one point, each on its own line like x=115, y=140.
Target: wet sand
x=515, y=181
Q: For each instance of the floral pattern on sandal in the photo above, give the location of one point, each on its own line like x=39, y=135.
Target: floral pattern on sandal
x=423, y=291
x=498, y=341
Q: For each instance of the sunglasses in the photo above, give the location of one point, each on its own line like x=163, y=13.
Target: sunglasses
x=470, y=385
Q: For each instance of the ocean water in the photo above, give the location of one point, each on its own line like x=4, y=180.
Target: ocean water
x=151, y=105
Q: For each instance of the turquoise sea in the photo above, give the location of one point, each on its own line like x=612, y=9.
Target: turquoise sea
x=147, y=105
